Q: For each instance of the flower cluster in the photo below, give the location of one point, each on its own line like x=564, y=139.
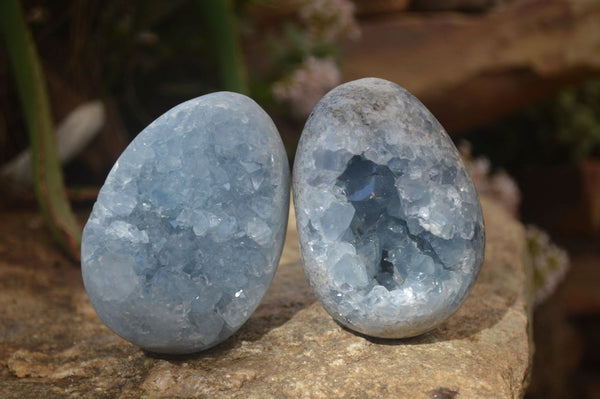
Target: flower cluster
x=315, y=72
x=304, y=87
x=498, y=185
x=550, y=263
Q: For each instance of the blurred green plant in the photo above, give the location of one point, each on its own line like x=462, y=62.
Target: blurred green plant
x=562, y=129
x=576, y=116
x=550, y=263
x=31, y=85
x=145, y=57
x=219, y=19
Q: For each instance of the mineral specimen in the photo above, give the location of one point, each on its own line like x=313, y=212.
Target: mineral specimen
x=187, y=232
x=390, y=226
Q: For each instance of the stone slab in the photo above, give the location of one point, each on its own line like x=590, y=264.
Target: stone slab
x=52, y=344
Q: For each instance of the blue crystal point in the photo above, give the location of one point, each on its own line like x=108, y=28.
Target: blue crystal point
x=390, y=226
x=187, y=232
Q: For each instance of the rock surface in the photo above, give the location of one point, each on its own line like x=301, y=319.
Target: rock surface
x=470, y=69
x=53, y=345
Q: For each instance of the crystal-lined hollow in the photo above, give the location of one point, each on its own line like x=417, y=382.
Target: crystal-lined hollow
x=390, y=226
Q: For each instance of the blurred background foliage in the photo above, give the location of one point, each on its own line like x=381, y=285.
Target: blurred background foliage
x=562, y=129
x=145, y=57
x=142, y=58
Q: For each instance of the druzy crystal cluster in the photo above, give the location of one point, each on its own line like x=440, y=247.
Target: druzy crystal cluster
x=187, y=232
x=390, y=225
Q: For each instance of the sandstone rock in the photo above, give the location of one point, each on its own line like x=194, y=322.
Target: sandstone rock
x=53, y=345
x=471, y=69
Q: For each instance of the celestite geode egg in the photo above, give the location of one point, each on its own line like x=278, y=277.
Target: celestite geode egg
x=389, y=222
x=187, y=232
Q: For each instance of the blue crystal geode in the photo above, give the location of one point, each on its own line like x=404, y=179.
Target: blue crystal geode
x=390, y=226
x=187, y=232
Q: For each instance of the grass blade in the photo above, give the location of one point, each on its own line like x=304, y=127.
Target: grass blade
x=31, y=85
x=219, y=19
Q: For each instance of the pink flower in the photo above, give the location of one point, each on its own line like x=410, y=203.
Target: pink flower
x=304, y=87
x=506, y=191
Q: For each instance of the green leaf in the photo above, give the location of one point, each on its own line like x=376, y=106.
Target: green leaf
x=31, y=85
x=219, y=19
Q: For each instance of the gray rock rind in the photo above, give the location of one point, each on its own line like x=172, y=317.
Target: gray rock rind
x=389, y=222
x=188, y=229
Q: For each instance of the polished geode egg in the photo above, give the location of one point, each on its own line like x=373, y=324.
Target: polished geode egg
x=390, y=226
x=187, y=232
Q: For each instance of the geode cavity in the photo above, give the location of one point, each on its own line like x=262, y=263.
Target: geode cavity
x=187, y=232
x=390, y=225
